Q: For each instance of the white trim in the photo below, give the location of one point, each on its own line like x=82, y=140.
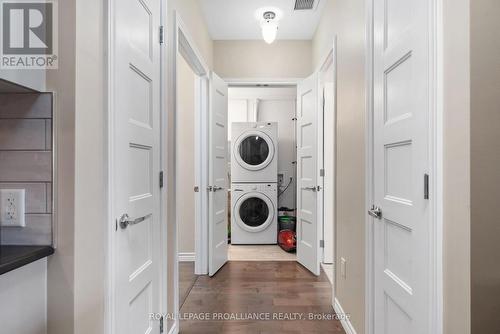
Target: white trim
x=437, y=164
x=346, y=323
x=436, y=154
x=234, y=82
x=369, y=232
x=187, y=257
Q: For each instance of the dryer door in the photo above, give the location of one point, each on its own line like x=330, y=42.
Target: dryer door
x=254, y=212
x=254, y=150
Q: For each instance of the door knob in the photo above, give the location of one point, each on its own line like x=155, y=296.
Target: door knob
x=375, y=212
x=125, y=220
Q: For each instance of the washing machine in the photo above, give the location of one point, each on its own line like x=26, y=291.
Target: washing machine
x=254, y=219
x=254, y=152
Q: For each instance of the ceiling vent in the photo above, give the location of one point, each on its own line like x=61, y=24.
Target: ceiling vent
x=304, y=4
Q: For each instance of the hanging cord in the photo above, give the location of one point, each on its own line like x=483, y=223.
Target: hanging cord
x=288, y=185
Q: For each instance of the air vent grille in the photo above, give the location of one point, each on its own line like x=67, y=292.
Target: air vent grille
x=304, y=4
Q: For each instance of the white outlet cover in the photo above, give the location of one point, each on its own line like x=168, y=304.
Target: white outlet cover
x=343, y=273
x=12, y=207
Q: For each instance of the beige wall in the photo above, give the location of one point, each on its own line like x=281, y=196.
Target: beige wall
x=76, y=273
x=456, y=183
x=485, y=165
x=192, y=16
x=346, y=19
x=185, y=156
x=91, y=221
x=256, y=59
x=60, y=269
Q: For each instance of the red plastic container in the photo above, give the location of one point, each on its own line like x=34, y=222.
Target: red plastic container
x=287, y=240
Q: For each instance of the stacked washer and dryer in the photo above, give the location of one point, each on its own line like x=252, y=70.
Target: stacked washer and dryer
x=254, y=183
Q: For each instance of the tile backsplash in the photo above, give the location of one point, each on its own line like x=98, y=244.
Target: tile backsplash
x=26, y=162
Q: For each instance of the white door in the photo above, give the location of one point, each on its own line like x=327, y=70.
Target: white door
x=308, y=203
x=135, y=165
x=218, y=178
x=401, y=159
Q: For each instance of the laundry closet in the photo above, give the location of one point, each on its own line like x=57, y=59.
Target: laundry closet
x=262, y=171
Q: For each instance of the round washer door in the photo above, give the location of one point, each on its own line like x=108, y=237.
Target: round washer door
x=254, y=150
x=254, y=212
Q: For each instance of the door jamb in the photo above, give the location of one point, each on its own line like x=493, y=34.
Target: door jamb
x=330, y=59
x=436, y=161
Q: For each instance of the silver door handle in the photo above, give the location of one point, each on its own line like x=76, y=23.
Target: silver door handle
x=375, y=212
x=125, y=220
x=214, y=188
x=310, y=188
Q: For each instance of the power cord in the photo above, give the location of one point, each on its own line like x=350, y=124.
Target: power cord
x=288, y=185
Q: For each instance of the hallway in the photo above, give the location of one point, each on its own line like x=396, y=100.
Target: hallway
x=247, y=288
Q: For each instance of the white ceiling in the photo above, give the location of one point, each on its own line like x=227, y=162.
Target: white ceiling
x=235, y=19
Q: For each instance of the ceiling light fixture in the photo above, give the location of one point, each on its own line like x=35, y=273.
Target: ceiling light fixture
x=269, y=26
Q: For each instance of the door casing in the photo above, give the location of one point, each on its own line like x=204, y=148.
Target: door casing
x=436, y=165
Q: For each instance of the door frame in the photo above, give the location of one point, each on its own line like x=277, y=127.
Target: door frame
x=329, y=59
x=436, y=156
x=185, y=47
x=109, y=164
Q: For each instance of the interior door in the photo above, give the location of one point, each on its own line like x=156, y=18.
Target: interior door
x=218, y=178
x=401, y=160
x=308, y=203
x=136, y=165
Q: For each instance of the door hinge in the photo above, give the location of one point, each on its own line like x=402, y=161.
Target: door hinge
x=161, y=324
x=162, y=35
x=161, y=179
x=322, y=243
x=321, y=172
x=426, y=186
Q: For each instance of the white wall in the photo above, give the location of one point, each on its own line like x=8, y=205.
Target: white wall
x=186, y=158
x=256, y=59
x=273, y=105
x=23, y=299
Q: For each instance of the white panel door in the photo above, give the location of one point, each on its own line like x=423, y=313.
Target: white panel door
x=218, y=178
x=401, y=160
x=136, y=164
x=308, y=204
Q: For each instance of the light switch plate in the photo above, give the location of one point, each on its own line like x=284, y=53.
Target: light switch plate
x=343, y=263
x=12, y=207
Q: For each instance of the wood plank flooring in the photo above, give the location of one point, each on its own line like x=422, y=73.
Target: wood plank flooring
x=187, y=279
x=258, y=288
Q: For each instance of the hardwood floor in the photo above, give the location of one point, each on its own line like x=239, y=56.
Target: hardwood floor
x=263, y=289
x=187, y=279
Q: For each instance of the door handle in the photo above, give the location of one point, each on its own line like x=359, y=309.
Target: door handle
x=375, y=212
x=214, y=188
x=310, y=188
x=125, y=220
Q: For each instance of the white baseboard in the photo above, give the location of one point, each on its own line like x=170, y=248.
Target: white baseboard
x=346, y=323
x=187, y=257
x=174, y=329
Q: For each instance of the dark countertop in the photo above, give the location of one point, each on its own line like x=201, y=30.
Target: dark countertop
x=13, y=257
